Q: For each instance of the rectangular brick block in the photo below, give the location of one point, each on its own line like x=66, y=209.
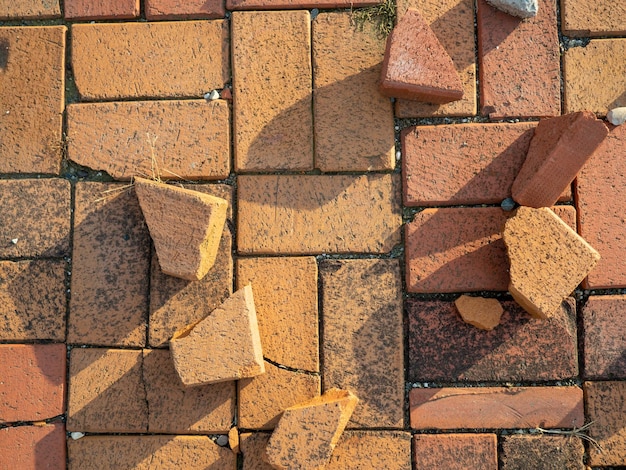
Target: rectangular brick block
x=476, y=451
x=175, y=9
x=101, y=9
x=519, y=63
x=31, y=110
x=496, y=407
x=593, y=18
x=33, y=447
x=301, y=4
x=306, y=214
x=606, y=408
x=273, y=122
x=363, y=345
x=36, y=9
x=32, y=384
x=168, y=139
x=522, y=452
x=140, y=60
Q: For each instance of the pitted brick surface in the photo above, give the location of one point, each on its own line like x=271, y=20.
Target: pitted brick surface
x=33, y=447
x=546, y=452
x=475, y=451
x=176, y=9
x=301, y=4
x=101, y=9
x=606, y=407
x=593, y=18
x=34, y=9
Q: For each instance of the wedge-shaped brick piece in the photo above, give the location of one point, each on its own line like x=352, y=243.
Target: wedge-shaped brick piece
x=307, y=434
x=226, y=345
x=548, y=259
x=559, y=149
x=479, y=312
x=186, y=227
x=519, y=8
x=416, y=66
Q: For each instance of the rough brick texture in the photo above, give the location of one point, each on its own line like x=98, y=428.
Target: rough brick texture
x=476, y=451
x=177, y=9
x=285, y=4
x=606, y=407
x=101, y=9
x=545, y=452
x=33, y=447
x=35, y=9
x=593, y=18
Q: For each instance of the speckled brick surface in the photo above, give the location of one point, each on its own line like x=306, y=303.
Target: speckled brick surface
x=175, y=9
x=10, y=9
x=546, y=452
x=606, y=407
x=33, y=447
x=101, y=9
x=593, y=18
x=477, y=451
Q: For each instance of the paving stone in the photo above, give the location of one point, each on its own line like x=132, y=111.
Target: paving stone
x=588, y=85
x=593, y=18
x=138, y=60
x=600, y=186
x=110, y=267
x=496, y=407
x=32, y=300
x=452, y=21
x=548, y=259
x=106, y=391
x=307, y=433
x=33, y=447
x=253, y=449
x=262, y=399
x=101, y=9
x=476, y=451
x=318, y=214
x=37, y=368
x=604, y=324
x=272, y=118
x=514, y=351
x=518, y=8
x=285, y=297
x=559, y=149
x=519, y=63
x=363, y=337
x=347, y=66
x=36, y=9
x=187, y=139
x=148, y=452
x=479, y=312
x=285, y=4
x=606, y=408
x=175, y=409
x=545, y=452
x=174, y=9
x=31, y=110
x=390, y=450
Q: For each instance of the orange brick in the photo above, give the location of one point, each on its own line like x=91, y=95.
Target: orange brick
x=285, y=296
x=363, y=345
x=522, y=452
x=136, y=60
x=101, y=9
x=475, y=451
x=390, y=450
x=587, y=84
x=33, y=447
x=347, y=67
x=496, y=407
x=606, y=408
x=123, y=138
x=110, y=267
x=175, y=9
x=272, y=119
x=479, y=312
x=31, y=112
x=253, y=449
x=302, y=214
x=593, y=18
x=36, y=9
x=285, y=4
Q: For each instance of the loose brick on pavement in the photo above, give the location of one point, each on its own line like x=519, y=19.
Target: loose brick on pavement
x=285, y=297
x=33, y=447
x=101, y=10
x=604, y=324
x=308, y=214
x=363, y=345
x=519, y=63
x=32, y=300
x=600, y=188
x=272, y=118
x=32, y=387
x=594, y=76
x=593, y=18
x=174, y=9
x=164, y=139
x=606, y=408
x=514, y=351
x=31, y=9
x=547, y=452
x=110, y=267
x=480, y=312
x=476, y=451
x=301, y=4
x=140, y=60
x=496, y=407
x=347, y=66
x=253, y=449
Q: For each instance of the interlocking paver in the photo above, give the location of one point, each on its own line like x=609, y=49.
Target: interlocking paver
x=33, y=447
x=606, y=408
x=101, y=10
x=476, y=451
x=175, y=9
x=593, y=18
x=301, y=4
x=547, y=452
x=32, y=9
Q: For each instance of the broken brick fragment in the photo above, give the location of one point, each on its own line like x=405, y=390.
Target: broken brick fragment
x=479, y=312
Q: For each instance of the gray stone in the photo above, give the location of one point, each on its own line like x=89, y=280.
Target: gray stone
x=519, y=8
x=617, y=116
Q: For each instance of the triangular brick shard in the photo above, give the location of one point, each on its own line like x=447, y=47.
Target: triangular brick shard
x=416, y=65
x=226, y=345
x=307, y=434
x=479, y=312
x=548, y=259
x=519, y=8
x=186, y=227
x=558, y=150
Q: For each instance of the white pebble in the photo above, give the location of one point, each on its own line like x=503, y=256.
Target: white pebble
x=617, y=116
x=212, y=95
x=14, y=240
x=77, y=435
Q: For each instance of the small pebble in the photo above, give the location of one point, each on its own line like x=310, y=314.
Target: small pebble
x=617, y=116
x=222, y=441
x=77, y=435
x=212, y=95
x=508, y=204
x=314, y=13
x=14, y=240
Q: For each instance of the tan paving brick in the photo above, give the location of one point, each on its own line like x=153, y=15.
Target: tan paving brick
x=363, y=345
x=187, y=139
x=593, y=18
x=305, y=214
x=522, y=452
x=135, y=60
x=33, y=447
x=476, y=451
x=100, y=9
x=35, y=9
x=32, y=94
x=286, y=4
x=175, y=9
x=347, y=66
x=272, y=117
x=390, y=450
x=606, y=408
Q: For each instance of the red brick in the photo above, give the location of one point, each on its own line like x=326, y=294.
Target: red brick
x=600, y=186
x=101, y=9
x=32, y=300
x=285, y=4
x=496, y=407
x=593, y=18
x=175, y=9
x=32, y=387
x=33, y=447
x=604, y=324
x=347, y=66
x=606, y=408
x=475, y=451
x=35, y=9
x=519, y=63
x=136, y=60
x=514, y=351
x=272, y=118
x=548, y=452
x=123, y=138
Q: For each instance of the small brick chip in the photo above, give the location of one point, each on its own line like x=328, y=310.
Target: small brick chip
x=479, y=312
